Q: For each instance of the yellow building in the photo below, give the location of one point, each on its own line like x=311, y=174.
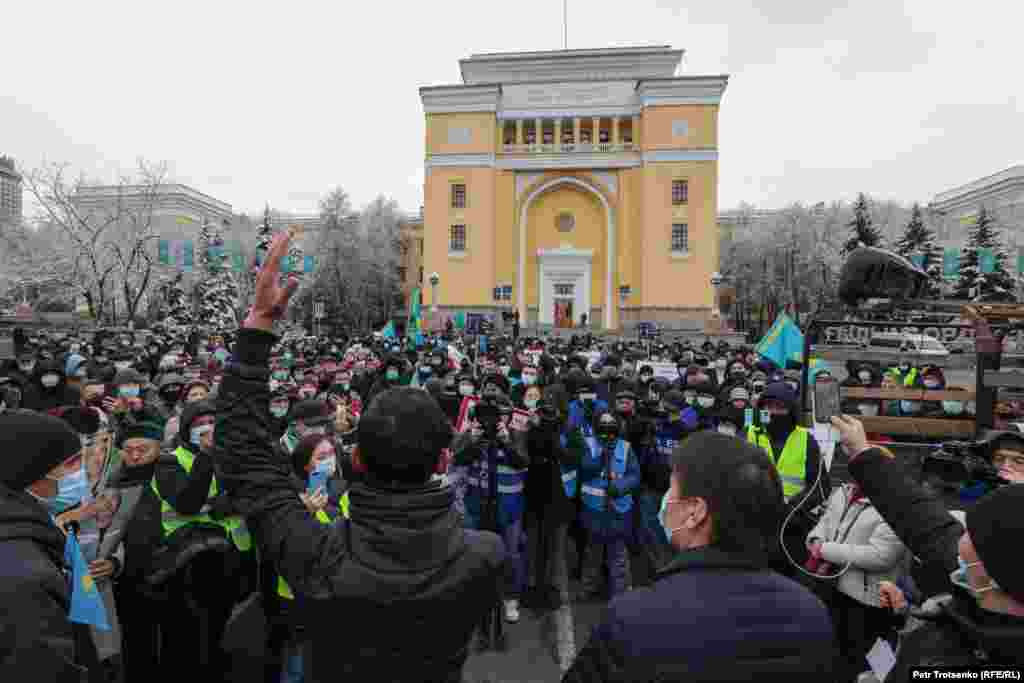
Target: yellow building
x=570, y=182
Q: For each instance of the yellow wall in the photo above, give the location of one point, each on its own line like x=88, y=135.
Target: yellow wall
x=506, y=239
x=656, y=126
x=631, y=236
x=589, y=233
x=469, y=279
x=669, y=281
x=481, y=124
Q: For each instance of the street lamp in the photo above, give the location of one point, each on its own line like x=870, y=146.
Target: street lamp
x=435, y=280
x=716, y=281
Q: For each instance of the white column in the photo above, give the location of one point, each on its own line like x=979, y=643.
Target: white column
x=519, y=131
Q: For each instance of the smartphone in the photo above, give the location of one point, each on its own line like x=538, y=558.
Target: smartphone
x=317, y=481
x=826, y=400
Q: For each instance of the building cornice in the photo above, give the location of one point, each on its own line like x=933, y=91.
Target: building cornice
x=541, y=162
x=682, y=90
x=979, y=190
x=669, y=155
x=477, y=160
x=566, y=65
x=166, y=196
x=582, y=111
x=446, y=99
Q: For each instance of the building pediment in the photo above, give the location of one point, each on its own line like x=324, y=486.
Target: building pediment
x=631, y=63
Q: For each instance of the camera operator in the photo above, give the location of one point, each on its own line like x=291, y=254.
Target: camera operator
x=495, y=480
x=550, y=493
x=983, y=620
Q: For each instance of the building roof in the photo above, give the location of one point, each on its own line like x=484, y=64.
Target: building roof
x=169, y=196
x=604, y=64
x=979, y=190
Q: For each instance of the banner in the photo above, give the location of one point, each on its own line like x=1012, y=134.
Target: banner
x=308, y=264
x=183, y=220
x=986, y=260
x=950, y=262
x=175, y=253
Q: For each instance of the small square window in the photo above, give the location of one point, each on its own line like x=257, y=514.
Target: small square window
x=680, y=192
x=457, y=238
x=458, y=196
x=506, y=293
x=680, y=237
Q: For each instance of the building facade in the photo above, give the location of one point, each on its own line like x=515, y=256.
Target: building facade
x=10, y=191
x=571, y=183
x=952, y=212
x=410, y=268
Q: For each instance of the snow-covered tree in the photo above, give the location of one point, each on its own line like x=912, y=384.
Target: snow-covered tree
x=918, y=245
x=973, y=284
x=863, y=233
x=177, y=310
x=218, y=290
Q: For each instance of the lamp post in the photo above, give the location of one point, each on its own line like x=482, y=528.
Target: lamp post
x=435, y=280
x=624, y=293
x=716, y=281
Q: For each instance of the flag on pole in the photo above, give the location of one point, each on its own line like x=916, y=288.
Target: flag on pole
x=309, y=264
x=783, y=342
x=389, y=330
x=187, y=256
x=237, y=260
x=183, y=220
x=86, y=602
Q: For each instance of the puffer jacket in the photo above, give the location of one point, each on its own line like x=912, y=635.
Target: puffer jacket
x=402, y=568
x=854, y=533
x=960, y=632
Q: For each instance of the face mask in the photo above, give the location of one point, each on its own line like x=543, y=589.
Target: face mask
x=426, y=371
x=27, y=367
x=661, y=517
x=529, y=380
x=727, y=428
x=129, y=392
x=959, y=578
x=869, y=409
x=170, y=395
x=196, y=433
x=645, y=378
x=720, y=364
x=865, y=377
x=122, y=365
x=904, y=366
x=278, y=410
x=465, y=389
x=505, y=370
x=280, y=376
x=391, y=375
x=318, y=429
x=931, y=384
x=705, y=401
x=50, y=381
x=952, y=407
x=71, y=489
x=299, y=376
x=910, y=406
x=530, y=403
x=327, y=466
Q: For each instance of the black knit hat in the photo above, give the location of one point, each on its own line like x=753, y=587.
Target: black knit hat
x=33, y=444
x=148, y=425
x=401, y=435
x=996, y=525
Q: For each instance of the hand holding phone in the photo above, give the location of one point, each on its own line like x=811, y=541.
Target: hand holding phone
x=826, y=400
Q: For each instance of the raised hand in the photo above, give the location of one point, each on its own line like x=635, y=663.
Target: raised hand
x=271, y=299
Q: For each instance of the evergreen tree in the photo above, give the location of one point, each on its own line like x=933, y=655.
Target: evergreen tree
x=975, y=285
x=862, y=231
x=218, y=291
x=918, y=244
x=264, y=235
x=177, y=311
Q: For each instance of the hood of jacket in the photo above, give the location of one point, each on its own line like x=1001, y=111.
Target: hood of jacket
x=401, y=528
x=23, y=518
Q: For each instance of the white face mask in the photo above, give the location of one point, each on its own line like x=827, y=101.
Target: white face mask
x=727, y=428
x=122, y=365
x=931, y=384
x=953, y=407
x=50, y=381
x=465, y=389
x=196, y=433
x=864, y=377
x=869, y=409
x=705, y=401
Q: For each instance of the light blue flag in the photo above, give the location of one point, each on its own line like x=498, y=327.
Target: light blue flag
x=483, y=343
x=950, y=262
x=187, y=256
x=86, y=602
x=917, y=260
x=783, y=342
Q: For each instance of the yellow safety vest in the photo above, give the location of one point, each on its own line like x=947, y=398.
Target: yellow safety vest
x=172, y=520
x=792, y=464
x=283, y=589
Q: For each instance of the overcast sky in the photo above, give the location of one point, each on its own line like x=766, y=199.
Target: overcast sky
x=280, y=101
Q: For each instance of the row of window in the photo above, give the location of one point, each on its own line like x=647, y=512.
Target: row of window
x=680, y=238
x=680, y=194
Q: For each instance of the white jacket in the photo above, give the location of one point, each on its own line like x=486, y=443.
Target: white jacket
x=870, y=546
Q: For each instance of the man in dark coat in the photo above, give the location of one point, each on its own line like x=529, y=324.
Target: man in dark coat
x=37, y=640
x=983, y=621
x=715, y=612
x=402, y=578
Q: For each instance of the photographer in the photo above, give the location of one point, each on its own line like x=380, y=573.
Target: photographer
x=495, y=482
x=983, y=621
x=550, y=495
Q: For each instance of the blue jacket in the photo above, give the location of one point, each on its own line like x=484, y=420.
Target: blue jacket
x=511, y=482
x=577, y=418
x=711, y=616
x=604, y=515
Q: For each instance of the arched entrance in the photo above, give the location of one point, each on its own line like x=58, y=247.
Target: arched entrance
x=564, y=274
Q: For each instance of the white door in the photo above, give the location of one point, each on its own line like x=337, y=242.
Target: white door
x=563, y=274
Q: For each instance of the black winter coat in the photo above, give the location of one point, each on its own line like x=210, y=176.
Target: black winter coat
x=961, y=630
x=711, y=616
x=37, y=641
x=402, y=579
x=545, y=492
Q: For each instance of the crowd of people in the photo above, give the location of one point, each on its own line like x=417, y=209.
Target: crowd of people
x=297, y=508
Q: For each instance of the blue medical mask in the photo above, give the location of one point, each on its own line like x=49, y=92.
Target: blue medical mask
x=327, y=466
x=911, y=407
x=196, y=433
x=530, y=403
x=959, y=578
x=426, y=371
x=71, y=489
x=391, y=375
x=661, y=516
x=129, y=392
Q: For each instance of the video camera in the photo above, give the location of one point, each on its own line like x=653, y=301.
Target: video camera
x=488, y=413
x=959, y=462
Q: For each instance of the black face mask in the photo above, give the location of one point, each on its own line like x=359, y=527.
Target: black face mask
x=780, y=425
